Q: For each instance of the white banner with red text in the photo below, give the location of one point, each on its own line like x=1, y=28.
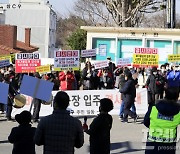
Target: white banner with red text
x=86, y=102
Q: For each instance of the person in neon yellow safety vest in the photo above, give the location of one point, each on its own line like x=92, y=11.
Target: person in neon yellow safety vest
x=162, y=121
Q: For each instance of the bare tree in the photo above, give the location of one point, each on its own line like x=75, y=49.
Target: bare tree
x=156, y=20
x=93, y=11
x=178, y=21
x=124, y=13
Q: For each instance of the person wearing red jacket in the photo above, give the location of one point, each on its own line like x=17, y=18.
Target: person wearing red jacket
x=66, y=79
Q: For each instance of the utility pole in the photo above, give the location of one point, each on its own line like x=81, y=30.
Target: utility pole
x=171, y=13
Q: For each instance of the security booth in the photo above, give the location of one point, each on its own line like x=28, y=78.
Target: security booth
x=121, y=42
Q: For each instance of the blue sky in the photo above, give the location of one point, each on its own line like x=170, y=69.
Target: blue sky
x=63, y=6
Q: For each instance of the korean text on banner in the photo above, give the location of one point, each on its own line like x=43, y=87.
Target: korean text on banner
x=101, y=64
x=86, y=102
x=174, y=58
x=145, y=57
x=27, y=62
x=36, y=88
x=66, y=59
x=43, y=69
x=88, y=53
x=6, y=57
x=4, y=89
x=123, y=62
x=4, y=63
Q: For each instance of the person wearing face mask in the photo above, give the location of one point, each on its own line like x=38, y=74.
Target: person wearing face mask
x=108, y=82
x=111, y=68
x=167, y=67
x=87, y=76
x=154, y=84
x=95, y=80
x=129, y=92
x=173, y=77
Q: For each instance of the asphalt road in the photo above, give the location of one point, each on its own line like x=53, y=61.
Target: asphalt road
x=125, y=137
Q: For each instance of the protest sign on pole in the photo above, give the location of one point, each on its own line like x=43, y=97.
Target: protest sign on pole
x=43, y=69
x=27, y=62
x=174, y=58
x=145, y=57
x=6, y=57
x=123, y=62
x=4, y=89
x=36, y=88
x=66, y=60
x=88, y=53
x=101, y=64
x=4, y=63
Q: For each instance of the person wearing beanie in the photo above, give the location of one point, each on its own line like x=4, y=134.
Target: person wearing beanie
x=22, y=137
x=129, y=92
x=99, y=129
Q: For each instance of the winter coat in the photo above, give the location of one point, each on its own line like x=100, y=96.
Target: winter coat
x=22, y=138
x=167, y=108
x=100, y=134
x=87, y=79
x=66, y=80
x=59, y=133
x=129, y=91
x=155, y=83
x=95, y=80
x=122, y=81
x=173, y=79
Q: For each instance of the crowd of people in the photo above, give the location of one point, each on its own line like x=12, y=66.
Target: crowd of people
x=60, y=132
x=89, y=78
